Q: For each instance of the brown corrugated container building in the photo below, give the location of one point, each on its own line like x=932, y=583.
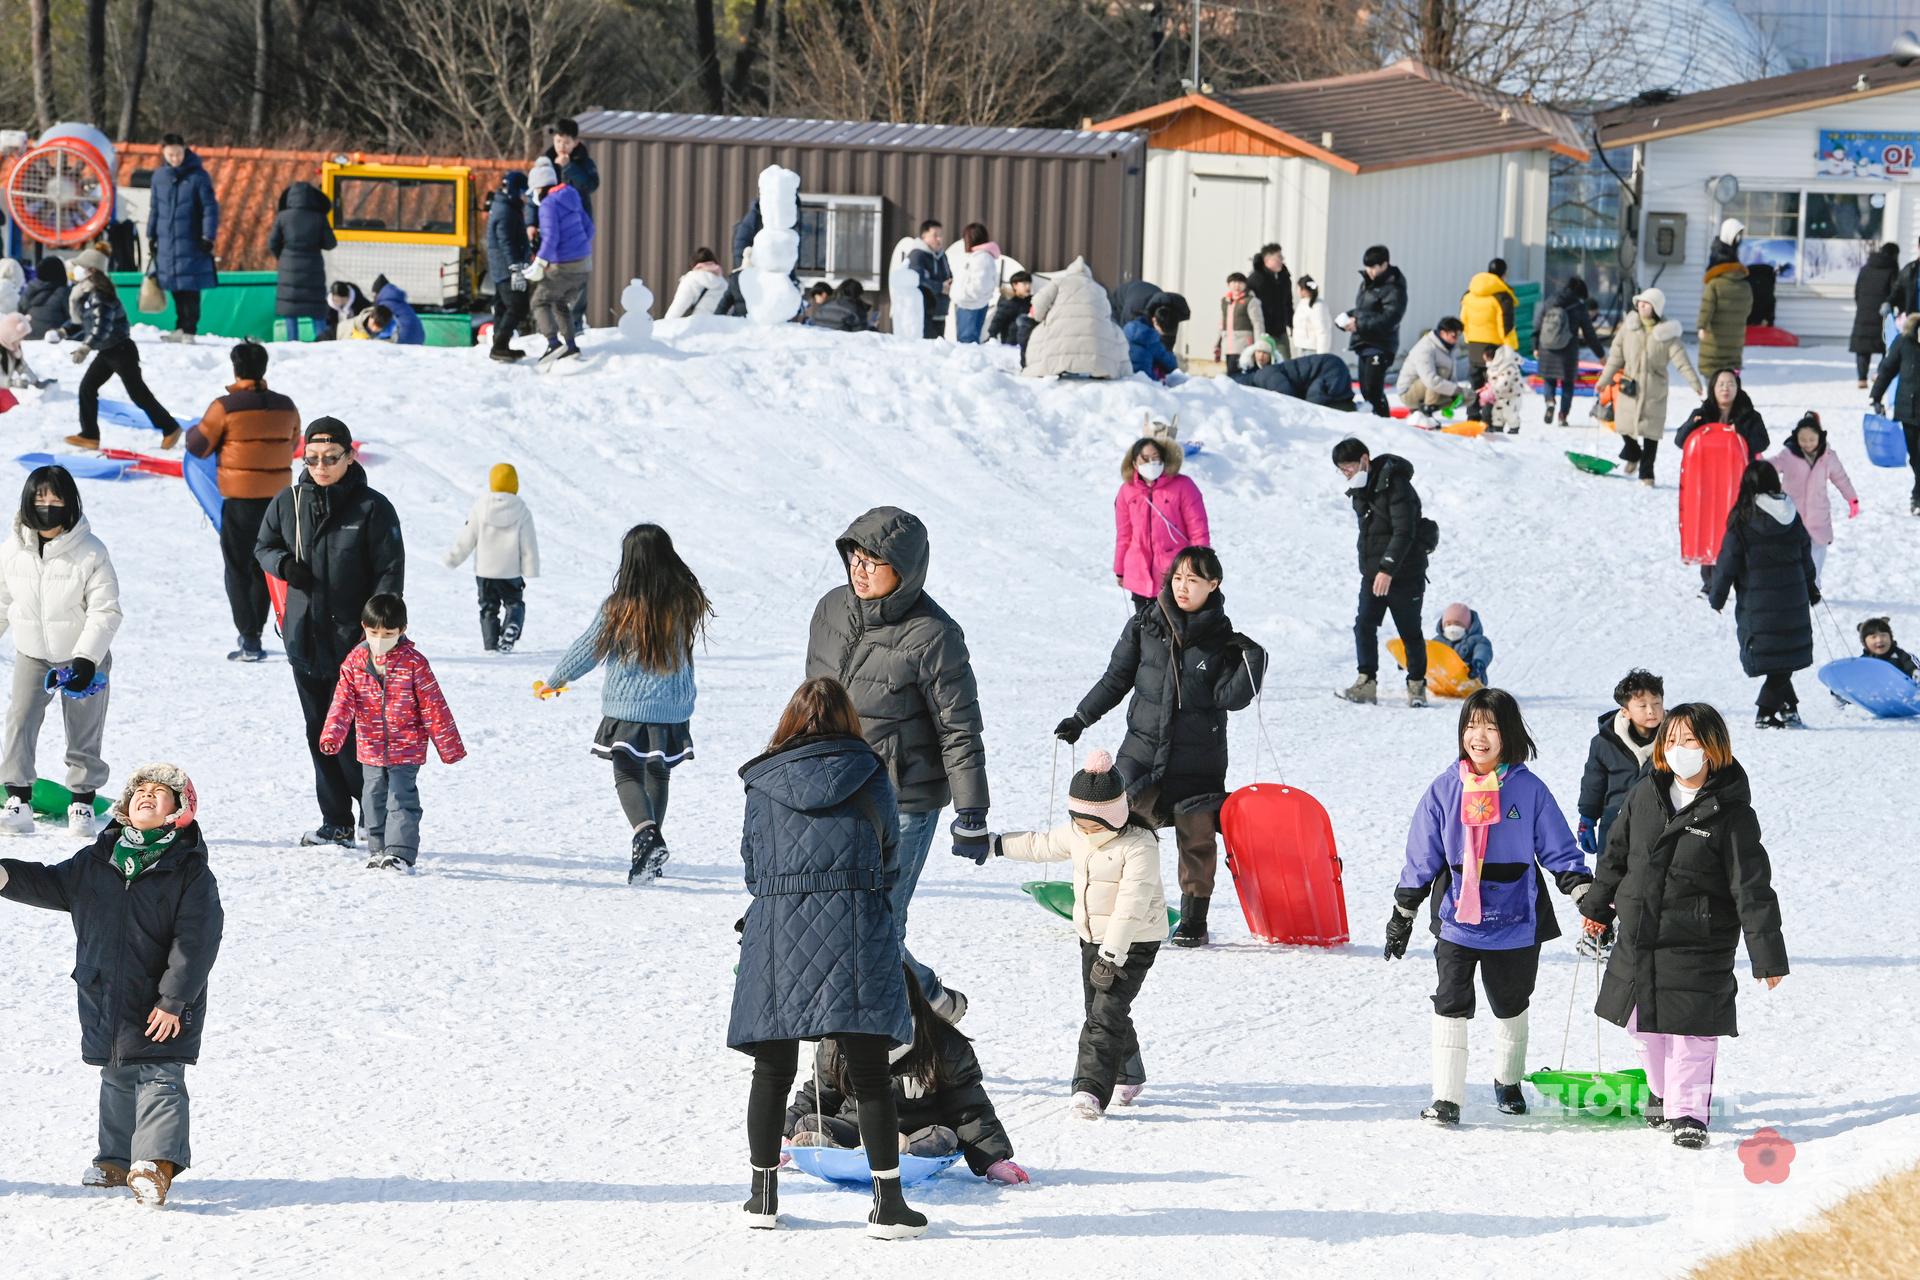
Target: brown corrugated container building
x=671, y=184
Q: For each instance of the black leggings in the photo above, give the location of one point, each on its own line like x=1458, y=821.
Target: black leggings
x=186, y=309
x=123, y=360
x=1640, y=453
x=1564, y=388
x=642, y=788
x=1776, y=693
x=1860, y=362
x=777, y=1062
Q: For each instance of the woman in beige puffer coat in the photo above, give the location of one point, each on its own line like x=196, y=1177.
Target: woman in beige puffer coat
x=1643, y=348
x=1074, y=332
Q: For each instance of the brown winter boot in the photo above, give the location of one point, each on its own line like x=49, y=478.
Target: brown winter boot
x=104, y=1173
x=150, y=1180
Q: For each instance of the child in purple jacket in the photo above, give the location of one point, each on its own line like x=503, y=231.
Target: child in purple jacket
x=1476, y=837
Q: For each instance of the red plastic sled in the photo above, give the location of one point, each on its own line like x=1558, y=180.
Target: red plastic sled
x=146, y=463
x=1766, y=335
x=1710, y=469
x=277, y=592
x=1285, y=867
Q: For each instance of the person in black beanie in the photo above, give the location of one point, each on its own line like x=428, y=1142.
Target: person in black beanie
x=334, y=542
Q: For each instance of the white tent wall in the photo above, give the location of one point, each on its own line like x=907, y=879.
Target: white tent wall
x=1773, y=154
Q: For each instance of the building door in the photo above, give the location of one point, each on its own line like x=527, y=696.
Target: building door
x=1226, y=225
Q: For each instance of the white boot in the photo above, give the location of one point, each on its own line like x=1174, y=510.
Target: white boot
x=1510, y=1048
x=81, y=822
x=1449, y=1059
x=17, y=818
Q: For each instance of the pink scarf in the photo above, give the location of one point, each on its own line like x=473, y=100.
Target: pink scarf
x=1479, y=809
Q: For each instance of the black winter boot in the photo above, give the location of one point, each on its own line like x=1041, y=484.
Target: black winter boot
x=763, y=1205
x=891, y=1219
x=1509, y=1099
x=1192, y=929
x=1656, y=1113
x=1689, y=1133
x=489, y=628
x=649, y=855
x=1442, y=1113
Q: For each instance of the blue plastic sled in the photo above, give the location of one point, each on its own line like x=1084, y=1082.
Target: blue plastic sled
x=203, y=482
x=1874, y=686
x=122, y=414
x=81, y=466
x=1886, y=442
x=1190, y=447
x=849, y=1167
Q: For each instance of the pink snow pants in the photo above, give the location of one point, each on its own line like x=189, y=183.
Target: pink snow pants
x=1679, y=1069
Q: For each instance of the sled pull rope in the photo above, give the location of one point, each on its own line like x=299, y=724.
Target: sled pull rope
x=1566, y=1035
x=1835, y=624
x=1260, y=719
x=1597, y=1065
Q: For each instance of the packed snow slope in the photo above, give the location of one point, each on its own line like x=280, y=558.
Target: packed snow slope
x=515, y=1062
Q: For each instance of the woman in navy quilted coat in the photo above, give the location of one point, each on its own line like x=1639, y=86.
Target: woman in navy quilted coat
x=819, y=956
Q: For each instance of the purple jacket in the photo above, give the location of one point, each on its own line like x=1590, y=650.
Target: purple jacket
x=1513, y=898
x=566, y=231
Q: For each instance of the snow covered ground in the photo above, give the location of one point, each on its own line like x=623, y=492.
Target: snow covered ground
x=514, y=1061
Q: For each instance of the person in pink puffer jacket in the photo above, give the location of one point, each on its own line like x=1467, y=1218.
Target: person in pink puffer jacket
x=1807, y=466
x=1157, y=513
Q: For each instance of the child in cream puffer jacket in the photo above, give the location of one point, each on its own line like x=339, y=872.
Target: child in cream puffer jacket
x=1120, y=912
x=499, y=535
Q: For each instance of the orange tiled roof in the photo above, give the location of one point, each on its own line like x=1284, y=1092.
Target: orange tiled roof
x=249, y=180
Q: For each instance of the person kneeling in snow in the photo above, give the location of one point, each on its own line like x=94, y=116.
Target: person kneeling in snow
x=388, y=697
x=1120, y=912
x=1322, y=380
x=1876, y=641
x=1426, y=384
x=147, y=923
x=1476, y=837
x=1459, y=628
x=939, y=1100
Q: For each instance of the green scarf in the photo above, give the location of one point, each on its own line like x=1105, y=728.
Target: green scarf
x=136, y=851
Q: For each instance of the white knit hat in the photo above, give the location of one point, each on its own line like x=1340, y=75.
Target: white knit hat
x=1732, y=229
x=1657, y=297
x=542, y=175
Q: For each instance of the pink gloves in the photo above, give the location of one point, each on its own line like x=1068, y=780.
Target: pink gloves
x=1006, y=1171
x=1488, y=395
x=1853, y=508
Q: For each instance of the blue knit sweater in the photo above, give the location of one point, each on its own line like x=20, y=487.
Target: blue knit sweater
x=631, y=691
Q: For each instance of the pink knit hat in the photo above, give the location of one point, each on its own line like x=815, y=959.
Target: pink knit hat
x=1457, y=614
x=1098, y=792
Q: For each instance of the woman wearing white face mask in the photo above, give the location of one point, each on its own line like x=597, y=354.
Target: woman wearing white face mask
x=1157, y=513
x=1686, y=873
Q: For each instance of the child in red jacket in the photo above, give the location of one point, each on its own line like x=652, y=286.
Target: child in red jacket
x=387, y=695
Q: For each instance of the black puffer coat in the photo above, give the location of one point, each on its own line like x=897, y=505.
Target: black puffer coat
x=1322, y=380
x=1275, y=291
x=905, y=663
x=1685, y=887
x=348, y=536
x=137, y=946
x=1563, y=365
x=960, y=1101
x=1388, y=508
x=1186, y=671
x=818, y=951
x=45, y=297
x=1378, y=307
x=1872, y=290
x=1902, y=362
x=1744, y=417
x=301, y=233
x=1612, y=769
x=1769, y=557
x=1136, y=301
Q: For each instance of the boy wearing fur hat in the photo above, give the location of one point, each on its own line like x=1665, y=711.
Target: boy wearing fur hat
x=499, y=535
x=147, y=923
x=1120, y=912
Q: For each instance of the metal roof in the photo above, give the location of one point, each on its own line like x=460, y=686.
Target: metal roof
x=1406, y=114
x=1756, y=100
x=851, y=134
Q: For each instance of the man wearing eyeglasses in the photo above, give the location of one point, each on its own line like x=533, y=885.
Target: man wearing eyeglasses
x=905, y=663
x=335, y=542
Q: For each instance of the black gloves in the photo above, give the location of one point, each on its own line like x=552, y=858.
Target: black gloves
x=970, y=839
x=1069, y=730
x=297, y=574
x=83, y=671
x=1813, y=595
x=1399, y=932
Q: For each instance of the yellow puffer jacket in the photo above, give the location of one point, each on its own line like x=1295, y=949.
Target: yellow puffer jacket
x=1487, y=311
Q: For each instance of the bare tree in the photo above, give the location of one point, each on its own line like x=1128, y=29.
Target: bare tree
x=136, y=68
x=42, y=57
x=95, y=85
x=262, y=61
x=707, y=47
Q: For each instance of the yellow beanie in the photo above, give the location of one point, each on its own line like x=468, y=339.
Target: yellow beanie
x=503, y=478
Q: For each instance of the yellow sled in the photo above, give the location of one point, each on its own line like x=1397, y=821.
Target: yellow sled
x=1446, y=673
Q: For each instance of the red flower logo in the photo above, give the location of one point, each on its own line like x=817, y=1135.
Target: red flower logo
x=1767, y=1157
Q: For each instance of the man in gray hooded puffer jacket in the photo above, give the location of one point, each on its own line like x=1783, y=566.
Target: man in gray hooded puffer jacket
x=905, y=663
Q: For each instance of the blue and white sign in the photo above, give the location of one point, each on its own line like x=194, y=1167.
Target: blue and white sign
x=1864, y=153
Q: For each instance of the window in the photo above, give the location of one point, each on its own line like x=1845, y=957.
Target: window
x=423, y=206
x=840, y=238
x=1810, y=237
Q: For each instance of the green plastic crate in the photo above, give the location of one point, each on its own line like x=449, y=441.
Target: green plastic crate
x=1526, y=303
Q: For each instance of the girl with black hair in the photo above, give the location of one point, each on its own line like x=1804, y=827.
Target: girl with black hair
x=938, y=1094
x=1120, y=912
x=1769, y=557
x=1807, y=466
x=100, y=322
x=1186, y=668
x=61, y=599
x=1479, y=838
x=644, y=633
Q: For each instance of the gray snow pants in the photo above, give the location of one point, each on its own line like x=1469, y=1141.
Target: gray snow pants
x=143, y=1113
x=85, y=720
x=554, y=298
x=390, y=806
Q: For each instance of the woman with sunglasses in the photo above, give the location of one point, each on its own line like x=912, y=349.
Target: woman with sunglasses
x=335, y=542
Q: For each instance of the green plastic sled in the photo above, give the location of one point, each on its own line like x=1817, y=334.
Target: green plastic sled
x=50, y=800
x=1057, y=897
x=1590, y=464
x=1601, y=1095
